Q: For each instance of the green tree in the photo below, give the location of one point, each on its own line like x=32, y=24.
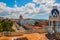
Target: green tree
x=38, y=24
x=1, y=28
x=6, y=25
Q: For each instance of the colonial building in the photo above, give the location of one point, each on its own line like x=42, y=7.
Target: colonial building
x=54, y=21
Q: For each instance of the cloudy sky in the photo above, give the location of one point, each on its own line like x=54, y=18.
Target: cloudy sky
x=35, y=9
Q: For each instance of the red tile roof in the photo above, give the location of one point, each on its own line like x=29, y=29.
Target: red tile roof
x=37, y=27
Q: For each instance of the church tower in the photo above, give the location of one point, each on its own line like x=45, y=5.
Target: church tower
x=54, y=20
x=20, y=17
x=20, y=20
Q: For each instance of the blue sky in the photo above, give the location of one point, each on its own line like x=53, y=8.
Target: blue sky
x=20, y=3
x=10, y=3
x=57, y=1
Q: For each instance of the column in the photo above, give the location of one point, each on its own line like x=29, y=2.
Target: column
x=57, y=26
x=49, y=27
x=52, y=27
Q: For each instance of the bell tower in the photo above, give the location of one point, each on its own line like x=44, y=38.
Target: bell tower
x=20, y=17
x=54, y=20
x=54, y=12
x=20, y=20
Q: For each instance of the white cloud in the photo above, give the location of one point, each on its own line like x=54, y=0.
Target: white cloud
x=43, y=1
x=16, y=11
x=29, y=10
x=47, y=6
x=2, y=6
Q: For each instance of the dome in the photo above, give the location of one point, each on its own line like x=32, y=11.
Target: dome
x=54, y=11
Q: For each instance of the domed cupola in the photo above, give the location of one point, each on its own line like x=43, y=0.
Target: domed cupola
x=54, y=11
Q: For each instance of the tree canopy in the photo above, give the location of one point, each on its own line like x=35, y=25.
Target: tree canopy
x=6, y=25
